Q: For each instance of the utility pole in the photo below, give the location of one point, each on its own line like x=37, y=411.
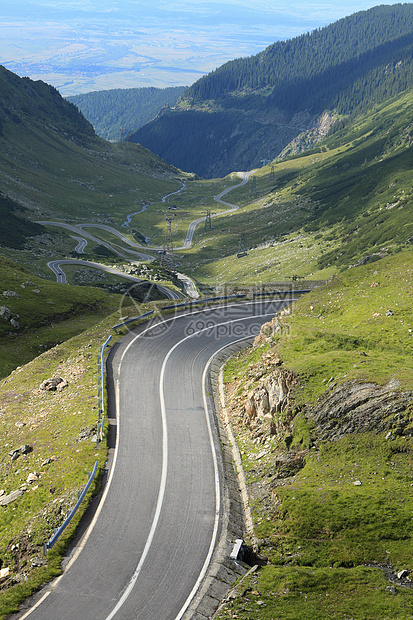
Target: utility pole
x=208, y=221
x=168, y=258
x=242, y=248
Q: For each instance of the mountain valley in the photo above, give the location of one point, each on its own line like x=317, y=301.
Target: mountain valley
x=326, y=204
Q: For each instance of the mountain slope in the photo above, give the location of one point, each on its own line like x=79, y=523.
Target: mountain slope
x=249, y=109
x=319, y=212
x=115, y=113
x=53, y=165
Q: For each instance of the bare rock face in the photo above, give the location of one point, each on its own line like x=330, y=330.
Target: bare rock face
x=360, y=407
x=271, y=397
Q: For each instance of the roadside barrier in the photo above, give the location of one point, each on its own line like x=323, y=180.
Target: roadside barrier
x=285, y=292
x=129, y=321
x=204, y=300
x=101, y=393
x=99, y=438
x=59, y=531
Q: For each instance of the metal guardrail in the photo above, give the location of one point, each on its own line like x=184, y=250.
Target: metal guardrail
x=204, y=300
x=101, y=393
x=99, y=438
x=135, y=318
x=285, y=292
x=59, y=531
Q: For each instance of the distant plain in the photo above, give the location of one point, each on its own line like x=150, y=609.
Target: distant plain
x=80, y=47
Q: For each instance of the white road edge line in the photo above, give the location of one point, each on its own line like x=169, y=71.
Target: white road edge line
x=92, y=524
x=161, y=493
x=217, y=484
x=162, y=487
x=101, y=503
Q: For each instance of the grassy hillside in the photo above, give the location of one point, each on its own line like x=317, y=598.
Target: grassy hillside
x=332, y=511
x=115, y=113
x=314, y=214
x=54, y=166
x=46, y=313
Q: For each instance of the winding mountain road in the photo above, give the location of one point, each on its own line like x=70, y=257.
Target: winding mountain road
x=150, y=544
x=56, y=267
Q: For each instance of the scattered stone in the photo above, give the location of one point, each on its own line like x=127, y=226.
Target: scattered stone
x=25, y=449
x=357, y=483
x=14, y=454
x=4, y=572
x=54, y=384
x=402, y=574
x=87, y=433
x=10, y=294
x=14, y=323
x=33, y=477
x=48, y=461
x=389, y=313
x=391, y=589
x=38, y=561
x=8, y=499
x=5, y=313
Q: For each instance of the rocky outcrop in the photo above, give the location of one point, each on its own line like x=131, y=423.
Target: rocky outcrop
x=5, y=500
x=269, y=399
x=309, y=139
x=355, y=407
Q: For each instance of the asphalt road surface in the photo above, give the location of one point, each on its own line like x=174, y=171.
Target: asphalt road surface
x=56, y=267
x=159, y=520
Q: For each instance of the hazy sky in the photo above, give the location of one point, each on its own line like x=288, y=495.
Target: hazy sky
x=83, y=45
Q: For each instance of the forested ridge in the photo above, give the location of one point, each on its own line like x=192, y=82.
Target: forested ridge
x=363, y=40
x=115, y=113
x=251, y=108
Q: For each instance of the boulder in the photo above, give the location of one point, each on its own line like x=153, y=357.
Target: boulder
x=5, y=313
x=10, y=294
x=54, y=384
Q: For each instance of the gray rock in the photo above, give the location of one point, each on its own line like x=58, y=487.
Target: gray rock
x=402, y=574
x=53, y=384
x=26, y=449
x=5, y=313
x=10, y=294
x=8, y=499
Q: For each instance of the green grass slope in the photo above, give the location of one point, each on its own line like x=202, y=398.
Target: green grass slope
x=336, y=527
x=46, y=313
x=53, y=164
x=315, y=214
